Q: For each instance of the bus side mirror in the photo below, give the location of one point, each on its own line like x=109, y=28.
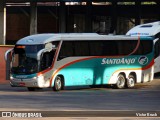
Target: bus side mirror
x=8, y=59
x=49, y=47
x=39, y=54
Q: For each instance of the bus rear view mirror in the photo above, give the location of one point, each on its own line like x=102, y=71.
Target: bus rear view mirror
x=49, y=47
x=8, y=59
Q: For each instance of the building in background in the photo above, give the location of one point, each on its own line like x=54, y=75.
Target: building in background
x=21, y=18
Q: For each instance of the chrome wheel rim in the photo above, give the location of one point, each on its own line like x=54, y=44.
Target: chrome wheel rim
x=131, y=82
x=121, y=82
x=58, y=83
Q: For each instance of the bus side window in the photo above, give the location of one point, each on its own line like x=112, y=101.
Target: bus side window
x=157, y=49
x=96, y=48
x=66, y=50
x=109, y=48
x=81, y=48
x=47, y=59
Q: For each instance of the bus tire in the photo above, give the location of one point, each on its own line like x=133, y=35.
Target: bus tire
x=131, y=81
x=58, y=84
x=31, y=89
x=121, y=80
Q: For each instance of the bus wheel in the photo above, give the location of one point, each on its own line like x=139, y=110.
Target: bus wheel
x=58, y=84
x=120, y=81
x=131, y=81
x=31, y=89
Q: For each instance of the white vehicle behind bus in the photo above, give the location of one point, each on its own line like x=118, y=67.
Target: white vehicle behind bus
x=149, y=29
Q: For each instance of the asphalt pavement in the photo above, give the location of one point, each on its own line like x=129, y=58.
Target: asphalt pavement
x=141, y=99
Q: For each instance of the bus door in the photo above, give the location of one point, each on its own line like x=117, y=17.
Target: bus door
x=8, y=59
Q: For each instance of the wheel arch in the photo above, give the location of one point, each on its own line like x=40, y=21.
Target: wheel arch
x=122, y=73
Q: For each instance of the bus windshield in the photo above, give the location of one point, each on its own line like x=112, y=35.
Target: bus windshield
x=24, y=60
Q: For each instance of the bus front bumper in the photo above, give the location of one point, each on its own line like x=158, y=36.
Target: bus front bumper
x=22, y=83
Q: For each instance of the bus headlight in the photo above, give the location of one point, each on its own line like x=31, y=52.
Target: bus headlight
x=34, y=78
x=11, y=77
x=41, y=81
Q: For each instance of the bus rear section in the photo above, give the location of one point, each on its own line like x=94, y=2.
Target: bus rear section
x=105, y=62
x=149, y=29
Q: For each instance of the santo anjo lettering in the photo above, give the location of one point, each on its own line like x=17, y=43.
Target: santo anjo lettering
x=118, y=61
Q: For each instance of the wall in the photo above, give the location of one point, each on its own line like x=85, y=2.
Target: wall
x=3, y=49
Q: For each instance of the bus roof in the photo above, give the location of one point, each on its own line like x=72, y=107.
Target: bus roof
x=149, y=29
x=45, y=38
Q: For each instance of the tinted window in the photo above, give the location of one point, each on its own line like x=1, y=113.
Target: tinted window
x=145, y=47
x=103, y=48
x=67, y=49
x=47, y=59
x=81, y=48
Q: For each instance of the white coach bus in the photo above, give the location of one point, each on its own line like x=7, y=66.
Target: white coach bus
x=149, y=29
x=59, y=60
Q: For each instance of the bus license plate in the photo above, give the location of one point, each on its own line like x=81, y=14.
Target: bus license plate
x=22, y=84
